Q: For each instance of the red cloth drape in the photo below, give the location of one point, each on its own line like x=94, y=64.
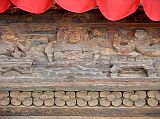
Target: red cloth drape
x=111, y=9
x=77, y=6
x=33, y=6
x=152, y=9
x=117, y=9
x=4, y=5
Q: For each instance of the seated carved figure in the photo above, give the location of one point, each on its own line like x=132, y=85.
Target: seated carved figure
x=123, y=45
x=68, y=45
x=146, y=44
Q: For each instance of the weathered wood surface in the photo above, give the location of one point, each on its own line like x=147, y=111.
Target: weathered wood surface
x=49, y=52
x=102, y=112
x=75, y=85
x=93, y=18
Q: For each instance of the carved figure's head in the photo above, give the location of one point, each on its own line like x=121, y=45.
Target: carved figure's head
x=141, y=34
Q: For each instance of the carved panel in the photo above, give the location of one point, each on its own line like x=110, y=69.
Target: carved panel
x=81, y=52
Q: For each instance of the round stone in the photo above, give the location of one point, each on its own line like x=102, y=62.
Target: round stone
x=152, y=94
x=94, y=95
x=65, y=97
x=49, y=94
x=43, y=97
x=71, y=94
x=133, y=97
x=37, y=94
x=59, y=102
x=104, y=94
x=140, y=103
x=27, y=102
x=49, y=102
x=59, y=94
x=152, y=102
x=24, y=95
x=127, y=103
x=117, y=102
x=158, y=96
x=37, y=102
x=93, y=103
x=127, y=94
x=4, y=102
x=81, y=102
x=15, y=102
x=71, y=102
x=4, y=94
x=111, y=97
x=87, y=98
x=104, y=102
x=117, y=94
x=81, y=94
x=15, y=94
x=141, y=94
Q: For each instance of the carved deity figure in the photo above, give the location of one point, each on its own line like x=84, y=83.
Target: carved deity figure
x=69, y=44
x=123, y=45
x=146, y=44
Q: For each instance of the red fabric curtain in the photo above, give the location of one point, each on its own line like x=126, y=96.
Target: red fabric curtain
x=152, y=9
x=77, y=6
x=117, y=9
x=4, y=5
x=111, y=9
x=33, y=6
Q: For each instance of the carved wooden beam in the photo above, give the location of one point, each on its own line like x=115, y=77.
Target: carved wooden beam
x=62, y=51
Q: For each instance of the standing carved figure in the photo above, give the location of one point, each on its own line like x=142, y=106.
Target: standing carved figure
x=12, y=45
x=12, y=50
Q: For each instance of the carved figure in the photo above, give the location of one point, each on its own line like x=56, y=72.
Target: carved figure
x=13, y=48
x=123, y=45
x=12, y=45
x=145, y=44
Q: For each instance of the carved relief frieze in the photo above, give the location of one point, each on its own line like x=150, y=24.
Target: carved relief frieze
x=77, y=52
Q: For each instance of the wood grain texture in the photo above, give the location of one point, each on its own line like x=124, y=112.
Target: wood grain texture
x=102, y=112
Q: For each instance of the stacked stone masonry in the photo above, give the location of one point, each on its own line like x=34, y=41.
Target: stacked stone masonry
x=80, y=98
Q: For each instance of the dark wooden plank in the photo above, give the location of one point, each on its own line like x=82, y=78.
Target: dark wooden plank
x=92, y=18
x=103, y=112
